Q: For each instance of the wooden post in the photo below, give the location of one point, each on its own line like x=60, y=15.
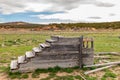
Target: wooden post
x=80, y=51
x=92, y=43
x=87, y=45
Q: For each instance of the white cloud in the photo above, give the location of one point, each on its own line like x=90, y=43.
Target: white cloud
x=76, y=10
x=84, y=12
x=37, y=7
x=13, y=6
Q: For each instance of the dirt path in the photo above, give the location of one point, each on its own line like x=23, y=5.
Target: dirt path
x=3, y=76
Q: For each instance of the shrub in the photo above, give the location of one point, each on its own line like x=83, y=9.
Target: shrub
x=24, y=76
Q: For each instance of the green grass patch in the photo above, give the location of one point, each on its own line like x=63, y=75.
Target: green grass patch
x=14, y=75
x=25, y=76
x=55, y=70
x=103, y=78
x=78, y=77
x=17, y=44
x=110, y=74
x=35, y=74
x=91, y=68
x=68, y=70
x=91, y=78
x=4, y=69
x=76, y=67
x=69, y=77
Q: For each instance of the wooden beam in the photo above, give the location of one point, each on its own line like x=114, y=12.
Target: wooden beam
x=98, y=69
x=82, y=76
x=104, y=64
x=103, y=57
x=108, y=53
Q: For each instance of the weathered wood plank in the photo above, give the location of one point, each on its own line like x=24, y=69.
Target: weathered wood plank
x=21, y=59
x=37, y=49
x=30, y=54
x=104, y=64
x=50, y=40
x=103, y=57
x=98, y=69
x=14, y=64
x=108, y=53
x=43, y=45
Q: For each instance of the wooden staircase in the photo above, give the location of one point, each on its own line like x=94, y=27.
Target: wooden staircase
x=57, y=51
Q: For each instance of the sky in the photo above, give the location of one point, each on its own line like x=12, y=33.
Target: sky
x=59, y=11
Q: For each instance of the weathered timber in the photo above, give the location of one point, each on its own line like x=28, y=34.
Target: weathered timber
x=14, y=64
x=108, y=53
x=30, y=54
x=98, y=69
x=44, y=64
x=21, y=59
x=44, y=45
x=104, y=64
x=103, y=57
x=37, y=49
x=58, y=51
x=82, y=76
x=51, y=40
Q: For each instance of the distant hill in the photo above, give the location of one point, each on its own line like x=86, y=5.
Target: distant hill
x=19, y=25
x=106, y=25
x=15, y=23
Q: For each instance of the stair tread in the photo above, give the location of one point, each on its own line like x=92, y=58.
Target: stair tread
x=37, y=49
x=51, y=40
x=29, y=54
x=45, y=45
x=21, y=59
x=14, y=64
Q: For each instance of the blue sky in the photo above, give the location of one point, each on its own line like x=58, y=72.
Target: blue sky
x=27, y=17
x=59, y=11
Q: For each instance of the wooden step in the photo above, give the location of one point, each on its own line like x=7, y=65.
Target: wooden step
x=21, y=59
x=14, y=65
x=37, y=49
x=45, y=45
x=50, y=40
x=30, y=54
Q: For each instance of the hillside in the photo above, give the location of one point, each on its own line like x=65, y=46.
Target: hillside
x=75, y=26
x=19, y=25
x=106, y=25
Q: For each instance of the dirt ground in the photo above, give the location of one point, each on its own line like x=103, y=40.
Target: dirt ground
x=99, y=74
